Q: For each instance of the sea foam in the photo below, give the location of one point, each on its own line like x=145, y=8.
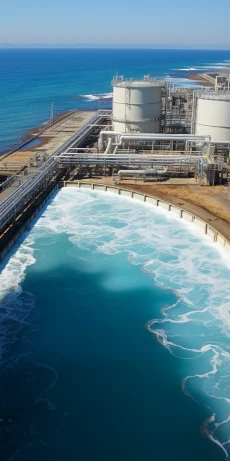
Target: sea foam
x=97, y=97
x=176, y=255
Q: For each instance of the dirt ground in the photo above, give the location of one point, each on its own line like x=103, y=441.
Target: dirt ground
x=214, y=199
x=211, y=204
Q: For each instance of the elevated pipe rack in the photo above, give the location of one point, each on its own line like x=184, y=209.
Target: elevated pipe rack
x=15, y=202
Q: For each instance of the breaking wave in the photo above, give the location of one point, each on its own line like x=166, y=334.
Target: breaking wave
x=97, y=97
x=188, y=68
x=184, y=82
x=211, y=66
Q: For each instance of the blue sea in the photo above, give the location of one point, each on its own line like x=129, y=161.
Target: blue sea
x=30, y=80
x=114, y=314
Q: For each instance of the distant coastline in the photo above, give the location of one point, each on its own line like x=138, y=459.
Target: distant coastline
x=113, y=46
x=199, y=79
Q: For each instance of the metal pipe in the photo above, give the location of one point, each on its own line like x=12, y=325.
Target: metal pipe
x=165, y=135
x=106, y=133
x=152, y=137
x=150, y=160
x=15, y=201
x=107, y=151
x=194, y=141
x=130, y=156
x=139, y=172
x=220, y=142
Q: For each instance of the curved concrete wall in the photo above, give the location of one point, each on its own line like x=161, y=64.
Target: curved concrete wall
x=24, y=226
x=179, y=212
x=189, y=217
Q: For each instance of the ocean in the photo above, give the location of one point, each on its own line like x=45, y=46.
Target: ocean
x=114, y=314
x=31, y=79
x=114, y=336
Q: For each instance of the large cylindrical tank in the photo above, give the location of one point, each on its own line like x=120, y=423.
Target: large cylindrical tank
x=137, y=105
x=213, y=116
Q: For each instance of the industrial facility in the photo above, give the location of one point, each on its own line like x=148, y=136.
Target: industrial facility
x=137, y=105
x=212, y=115
x=155, y=131
x=161, y=130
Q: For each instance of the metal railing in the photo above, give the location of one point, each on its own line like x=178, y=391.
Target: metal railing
x=210, y=93
x=119, y=80
x=9, y=182
x=127, y=159
x=15, y=202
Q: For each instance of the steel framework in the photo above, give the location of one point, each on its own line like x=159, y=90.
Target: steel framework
x=15, y=202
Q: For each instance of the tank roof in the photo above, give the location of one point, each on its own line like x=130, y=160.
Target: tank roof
x=214, y=95
x=147, y=81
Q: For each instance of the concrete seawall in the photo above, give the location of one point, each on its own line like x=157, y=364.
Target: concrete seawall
x=209, y=230
x=23, y=227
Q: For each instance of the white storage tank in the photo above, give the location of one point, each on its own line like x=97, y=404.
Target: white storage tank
x=137, y=105
x=213, y=116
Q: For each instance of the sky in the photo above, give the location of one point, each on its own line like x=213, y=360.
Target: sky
x=168, y=23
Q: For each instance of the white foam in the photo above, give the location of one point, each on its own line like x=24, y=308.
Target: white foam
x=178, y=257
x=15, y=305
x=210, y=66
x=187, y=68
x=185, y=82
x=97, y=97
x=90, y=97
x=211, y=436
x=196, y=327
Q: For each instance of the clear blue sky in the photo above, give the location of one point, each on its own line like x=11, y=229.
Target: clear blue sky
x=167, y=23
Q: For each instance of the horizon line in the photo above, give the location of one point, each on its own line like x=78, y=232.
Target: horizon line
x=211, y=47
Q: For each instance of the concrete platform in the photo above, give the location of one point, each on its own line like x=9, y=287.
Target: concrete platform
x=57, y=134
x=51, y=138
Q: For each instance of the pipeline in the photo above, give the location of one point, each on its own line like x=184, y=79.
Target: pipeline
x=152, y=171
x=14, y=202
x=107, y=133
x=101, y=159
x=220, y=142
x=109, y=145
x=153, y=136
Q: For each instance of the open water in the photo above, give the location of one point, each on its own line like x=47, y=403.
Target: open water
x=115, y=327
x=30, y=80
x=114, y=316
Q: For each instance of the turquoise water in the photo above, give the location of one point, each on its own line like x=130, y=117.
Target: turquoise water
x=114, y=336
x=78, y=78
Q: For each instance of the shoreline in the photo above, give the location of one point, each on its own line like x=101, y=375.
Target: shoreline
x=33, y=133
x=199, y=79
x=37, y=131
